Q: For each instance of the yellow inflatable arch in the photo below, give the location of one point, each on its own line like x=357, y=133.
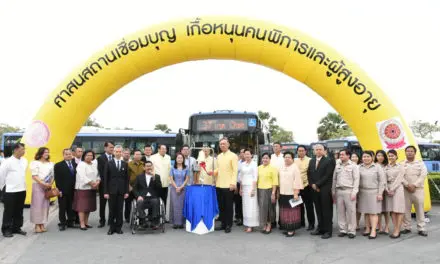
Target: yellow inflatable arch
x=369, y=112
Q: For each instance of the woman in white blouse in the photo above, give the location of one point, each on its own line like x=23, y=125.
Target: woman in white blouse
x=248, y=190
x=42, y=176
x=87, y=182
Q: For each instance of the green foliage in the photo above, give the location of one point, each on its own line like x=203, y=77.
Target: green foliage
x=435, y=195
x=162, y=127
x=333, y=126
x=277, y=132
x=424, y=129
x=92, y=122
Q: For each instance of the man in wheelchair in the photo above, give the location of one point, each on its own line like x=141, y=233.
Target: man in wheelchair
x=146, y=190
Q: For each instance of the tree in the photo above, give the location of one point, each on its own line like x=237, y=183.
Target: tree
x=278, y=133
x=424, y=129
x=92, y=122
x=162, y=127
x=333, y=126
x=5, y=128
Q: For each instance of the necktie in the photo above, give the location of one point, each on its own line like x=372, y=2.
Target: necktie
x=70, y=167
x=119, y=165
x=109, y=157
x=317, y=163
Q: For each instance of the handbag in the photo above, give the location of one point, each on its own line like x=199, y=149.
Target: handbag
x=52, y=192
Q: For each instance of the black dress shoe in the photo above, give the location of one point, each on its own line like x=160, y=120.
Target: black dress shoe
x=89, y=226
x=342, y=234
x=310, y=228
x=239, y=222
x=228, y=230
x=406, y=231
x=119, y=232
x=110, y=232
x=326, y=236
x=181, y=227
x=175, y=227
x=423, y=233
x=8, y=234
x=19, y=232
x=101, y=225
x=62, y=228
x=83, y=228
x=71, y=226
x=316, y=233
x=220, y=228
x=351, y=236
x=365, y=234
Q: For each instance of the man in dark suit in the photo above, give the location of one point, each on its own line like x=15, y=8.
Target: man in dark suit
x=116, y=189
x=320, y=175
x=102, y=164
x=65, y=178
x=147, y=190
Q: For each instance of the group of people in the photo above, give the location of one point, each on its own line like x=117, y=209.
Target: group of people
x=374, y=185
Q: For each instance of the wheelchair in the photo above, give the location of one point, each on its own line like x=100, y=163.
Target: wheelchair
x=135, y=220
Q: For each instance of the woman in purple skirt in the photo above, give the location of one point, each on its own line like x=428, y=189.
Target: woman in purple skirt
x=178, y=179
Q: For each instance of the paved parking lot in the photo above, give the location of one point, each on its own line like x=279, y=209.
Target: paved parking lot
x=95, y=246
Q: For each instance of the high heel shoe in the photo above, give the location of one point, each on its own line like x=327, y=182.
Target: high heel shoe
x=392, y=236
x=372, y=237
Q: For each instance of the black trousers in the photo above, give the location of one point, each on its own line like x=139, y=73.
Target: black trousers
x=65, y=209
x=116, y=205
x=13, y=211
x=127, y=210
x=307, y=197
x=152, y=204
x=238, y=202
x=225, y=199
x=324, y=208
x=102, y=204
x=164, y=195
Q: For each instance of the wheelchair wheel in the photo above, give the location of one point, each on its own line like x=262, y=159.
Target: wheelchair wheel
x=133, y=218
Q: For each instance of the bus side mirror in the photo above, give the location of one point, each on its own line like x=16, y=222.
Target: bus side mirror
x=261, y=140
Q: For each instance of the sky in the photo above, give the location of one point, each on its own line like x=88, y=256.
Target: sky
x=395, y=42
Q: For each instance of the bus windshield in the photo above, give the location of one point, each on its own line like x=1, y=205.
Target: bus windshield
x=242, y=129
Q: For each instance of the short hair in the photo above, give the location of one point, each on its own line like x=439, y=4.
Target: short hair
x=147, y=146
x=265, y=154
x=87, y=152
x=107, y=143
x=277, y=143
x=224, y=139
x=248, y=150
x=160, y=145
x=185, y=146
x=411, y=147
x=289, y=153
x=40, y=153
x=118, y=147
x=148, y=162
x=66, y=149
x=319, y=145
x=137, y=150
x=369, y=153
x=17, y=146
x=346, y=151
x=301, y=146
x=127, y=149
x=392, y=151
x=75, y=148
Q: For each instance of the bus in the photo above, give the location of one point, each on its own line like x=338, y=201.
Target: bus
x=430, y=152
x=243, y=130
x=93, y=138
